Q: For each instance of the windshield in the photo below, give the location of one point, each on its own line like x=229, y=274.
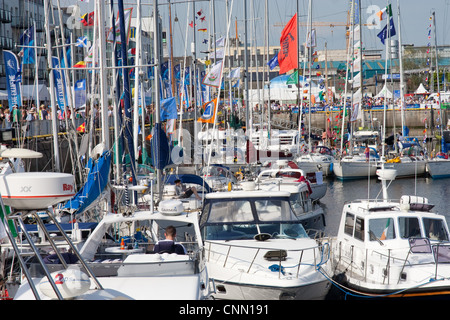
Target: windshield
x=232, y=220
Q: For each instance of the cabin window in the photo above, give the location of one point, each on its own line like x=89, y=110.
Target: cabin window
x=274, y=210
x=381, y=229
x=435, y=229
x=230, y=211
x=359, y=229
x=349, y=223
x=409, y=227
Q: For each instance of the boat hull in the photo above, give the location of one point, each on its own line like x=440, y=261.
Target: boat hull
x=439, y=169
x=238, y=291
x=408, y=169
x=344, y=170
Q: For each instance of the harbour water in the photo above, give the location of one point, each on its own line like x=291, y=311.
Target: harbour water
x=339, y=192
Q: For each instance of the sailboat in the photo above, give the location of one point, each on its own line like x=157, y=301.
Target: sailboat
x=439, y=166
x=355, y=164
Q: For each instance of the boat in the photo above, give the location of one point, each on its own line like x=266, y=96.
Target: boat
x=287, y=172
x=257, y=248
x=320, y=159
x=391, y=248
x=354, y=167
x=130, y=266
x=438, y=168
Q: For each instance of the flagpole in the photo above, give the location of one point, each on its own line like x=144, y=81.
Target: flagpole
x=36, y=67
x=57, y=166
x=137, y=72
x=310, y=75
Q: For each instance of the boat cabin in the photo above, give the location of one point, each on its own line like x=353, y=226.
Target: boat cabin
x=379, y=223
x=246, y=214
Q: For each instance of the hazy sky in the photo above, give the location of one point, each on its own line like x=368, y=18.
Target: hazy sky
x=415, y=16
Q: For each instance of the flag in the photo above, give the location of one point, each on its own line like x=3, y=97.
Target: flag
x=213, y=78
x=273, y=62
x=311, y=43
x=235, y=73
x=220, y=42
x=81, y=42
x=80, y=94
x=384, y=13
x=168, y=109
x=210, y=112
x=80, y=64
x=82, y=127
x=27, y=40
x=12, y=71
x=203, y=29
x=383, y=35
x=88, y=19
x=58, y=76
x=127, y=15
x=293, y=78
x=132, y=52
x=287, y=57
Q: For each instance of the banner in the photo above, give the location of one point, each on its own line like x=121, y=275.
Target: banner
x=59, y=84
x=13, y=79
x=210, y=112
x=168, y=109
x=27, y=41
x=288, y=55
x=127, y=16
x=80, y=94
x=213, y=78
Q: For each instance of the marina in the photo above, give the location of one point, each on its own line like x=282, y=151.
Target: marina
x=229, y=150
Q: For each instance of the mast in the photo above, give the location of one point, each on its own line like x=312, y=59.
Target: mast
x=157, y=100
x=127, y=95
x=402, y=84
x=103, y=78
x=437, y=77
x=57, y=165
x=137, y=72
x=247, y=112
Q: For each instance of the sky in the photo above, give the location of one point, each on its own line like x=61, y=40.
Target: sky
x=414, y=21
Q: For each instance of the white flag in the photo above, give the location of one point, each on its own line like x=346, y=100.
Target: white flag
x=235, y=74
x=220, y=42
x=127, y=16
x=214, y=76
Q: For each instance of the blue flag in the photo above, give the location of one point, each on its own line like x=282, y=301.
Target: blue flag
x=59, y=84
x=273, y=62
x=13, y=79
x=168, y=109
x=383, y=34
x=27, y=40
x=80, y=93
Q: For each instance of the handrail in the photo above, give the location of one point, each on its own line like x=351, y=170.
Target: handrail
x=321, y=248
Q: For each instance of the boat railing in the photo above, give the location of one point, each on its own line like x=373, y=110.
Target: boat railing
x=320, y=255
x=395, y=261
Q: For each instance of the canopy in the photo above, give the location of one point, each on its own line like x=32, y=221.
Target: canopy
x=421, y=90
x=384, y=93
x=29, y=92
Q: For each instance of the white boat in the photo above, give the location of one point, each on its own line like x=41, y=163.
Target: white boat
x=438, y=168
x=387, y=248
x=135, y=271
x=354, y=167
x=408, y=166
x=256, y=248
x=287, y=172
x=320, y=159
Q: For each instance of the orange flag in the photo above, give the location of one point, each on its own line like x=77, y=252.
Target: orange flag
x=287, y=57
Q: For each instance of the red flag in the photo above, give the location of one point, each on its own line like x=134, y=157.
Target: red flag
x=287, y=57
x=82, y=127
